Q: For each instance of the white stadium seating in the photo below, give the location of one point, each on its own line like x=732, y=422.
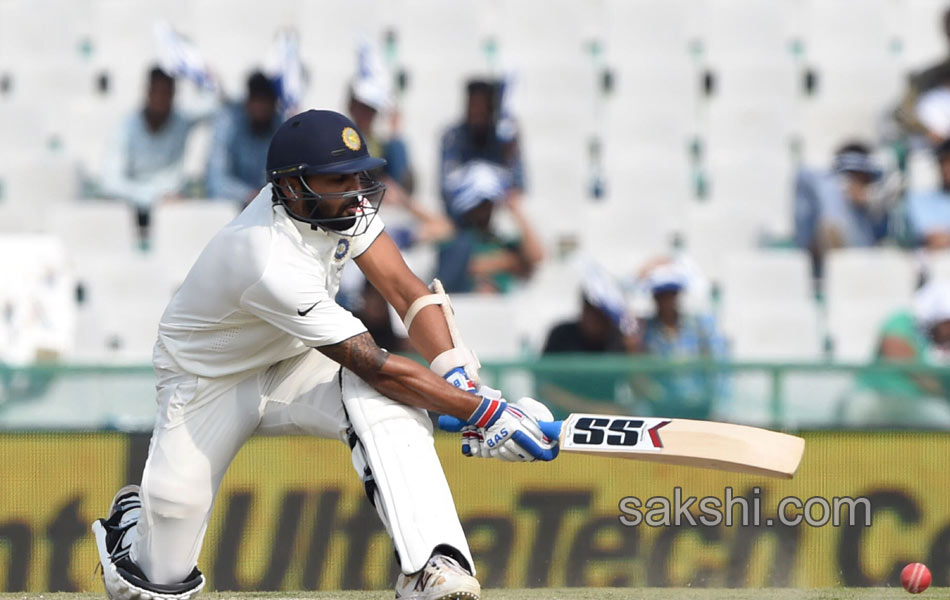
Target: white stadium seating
x=55, y=124
x=862, y=287
x=180, y=231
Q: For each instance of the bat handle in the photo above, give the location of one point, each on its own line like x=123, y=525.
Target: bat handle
x=552, y=429
x=449, y=423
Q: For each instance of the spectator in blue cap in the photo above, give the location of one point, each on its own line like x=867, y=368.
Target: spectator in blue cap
x=928, y=213
x=477, y=259
x=835, y=209
x=673, y=334
x=479, y=138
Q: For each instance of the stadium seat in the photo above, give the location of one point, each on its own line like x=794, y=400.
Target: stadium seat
x=748, y=30
x=759, y=184
x=22, y=217
x=862, y=287
x=181, y=230
x=123, y=297
x=712, y=230
x=551, y=296
x=52, y=178
x=920, y=31
x=36, y=298
x=774, y=330
x=847, y=33
x=744, y=129
x=619, y=235
x=89, y=127
x=659, y=30
x=22, y=124
x=764, y=277
x=485, y=322
x=812, y=399
x=854, y=333
x=93, y=228
x=649, y=177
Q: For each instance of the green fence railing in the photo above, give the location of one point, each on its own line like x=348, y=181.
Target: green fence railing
x=781, y=395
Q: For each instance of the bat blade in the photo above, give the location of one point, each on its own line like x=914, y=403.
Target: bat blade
x=706, y=444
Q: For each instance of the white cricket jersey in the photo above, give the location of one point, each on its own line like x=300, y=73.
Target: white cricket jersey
x=261, y=291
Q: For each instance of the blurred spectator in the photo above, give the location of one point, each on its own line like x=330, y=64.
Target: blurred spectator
x=373, y=310
x=425, y=226
x=671, y=334
x=239, y=147
x=834, y=209
x=917, y=337
x=933, y=112
x=478, y=259
x=928, y=213
x=477, y=139
x=144, y=164
x=604, y=326
x=370, y=97
x=908, y=113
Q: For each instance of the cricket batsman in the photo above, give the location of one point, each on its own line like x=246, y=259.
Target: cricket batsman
x=254, y=341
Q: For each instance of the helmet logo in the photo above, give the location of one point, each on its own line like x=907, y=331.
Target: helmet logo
x=342, y=247
x=351, y=139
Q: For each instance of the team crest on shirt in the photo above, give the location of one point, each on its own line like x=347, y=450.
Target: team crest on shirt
x=351, y=139
x=342, y=247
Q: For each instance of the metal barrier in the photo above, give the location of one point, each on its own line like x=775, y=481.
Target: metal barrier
x=816, y=395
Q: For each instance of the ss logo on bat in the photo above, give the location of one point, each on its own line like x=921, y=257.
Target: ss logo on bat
x=594, y=431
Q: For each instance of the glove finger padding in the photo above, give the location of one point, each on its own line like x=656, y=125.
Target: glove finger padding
x=472, y=441
x=516, y=436
x=536, y=409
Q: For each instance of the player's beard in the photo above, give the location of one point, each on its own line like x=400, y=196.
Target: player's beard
x=344, y=222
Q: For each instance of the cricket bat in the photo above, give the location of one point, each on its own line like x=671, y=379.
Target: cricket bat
x=685, y=442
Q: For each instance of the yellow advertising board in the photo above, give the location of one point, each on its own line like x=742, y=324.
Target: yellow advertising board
x=292, y=514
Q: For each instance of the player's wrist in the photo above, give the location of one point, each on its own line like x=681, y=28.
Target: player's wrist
x=460, y=379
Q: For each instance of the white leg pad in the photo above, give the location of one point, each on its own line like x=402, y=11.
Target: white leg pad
x=118, y=587
x=413, y=499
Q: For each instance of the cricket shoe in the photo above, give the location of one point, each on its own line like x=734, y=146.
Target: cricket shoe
x=441, y=579
x=122, y=578
x=123, y=516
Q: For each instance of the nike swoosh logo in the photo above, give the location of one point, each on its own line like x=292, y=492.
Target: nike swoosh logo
x=303, y=313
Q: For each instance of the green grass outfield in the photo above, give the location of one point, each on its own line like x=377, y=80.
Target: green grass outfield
x=566, y=594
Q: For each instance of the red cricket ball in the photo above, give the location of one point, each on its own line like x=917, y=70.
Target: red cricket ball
x=915, y=577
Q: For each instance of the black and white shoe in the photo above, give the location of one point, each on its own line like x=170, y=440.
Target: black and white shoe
x=122, y=578
x=443, y=578
x=123, y=516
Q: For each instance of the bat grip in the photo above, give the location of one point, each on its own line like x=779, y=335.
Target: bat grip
x=552, y=429
x=449, y=423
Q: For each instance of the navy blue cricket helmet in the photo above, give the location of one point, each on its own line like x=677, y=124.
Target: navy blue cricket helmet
x=323, y=142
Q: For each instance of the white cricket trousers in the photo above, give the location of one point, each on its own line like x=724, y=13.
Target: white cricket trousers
x=202, y=423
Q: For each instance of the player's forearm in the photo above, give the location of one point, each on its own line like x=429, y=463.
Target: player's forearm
x=408, y=382
x=399, y=378
x=429, y=333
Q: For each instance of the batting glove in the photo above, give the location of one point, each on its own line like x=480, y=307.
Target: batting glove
x=472, y=439
x=510, y=433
